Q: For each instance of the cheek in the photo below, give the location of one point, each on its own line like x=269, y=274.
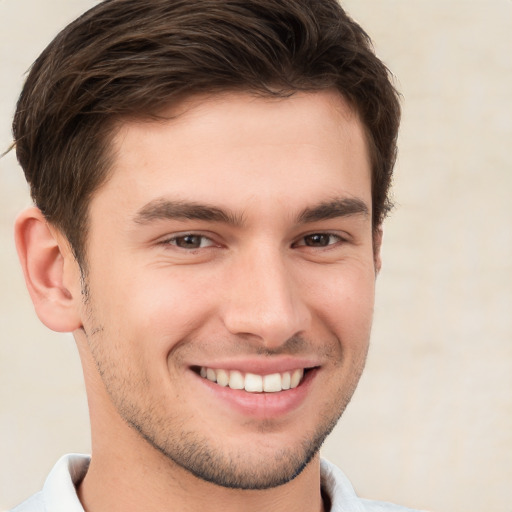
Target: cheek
x=160, y=306
x=345, y=303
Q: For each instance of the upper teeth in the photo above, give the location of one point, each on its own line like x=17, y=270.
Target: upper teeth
x=253, y=383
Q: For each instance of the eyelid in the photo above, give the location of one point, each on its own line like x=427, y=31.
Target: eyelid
x=171, y=239
x=341, y=237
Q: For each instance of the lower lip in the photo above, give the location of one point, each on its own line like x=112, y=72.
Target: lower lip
x=262, y=405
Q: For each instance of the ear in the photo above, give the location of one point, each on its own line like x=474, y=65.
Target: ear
x=377, y=245
x=52, y=274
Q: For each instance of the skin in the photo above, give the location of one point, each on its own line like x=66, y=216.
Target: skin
x=275, y=269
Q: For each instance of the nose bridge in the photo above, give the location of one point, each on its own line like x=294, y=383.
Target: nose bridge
x=264, y=299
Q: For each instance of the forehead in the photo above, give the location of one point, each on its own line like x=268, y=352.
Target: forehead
x=215, y=145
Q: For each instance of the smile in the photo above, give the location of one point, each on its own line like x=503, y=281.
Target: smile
x=253, y=383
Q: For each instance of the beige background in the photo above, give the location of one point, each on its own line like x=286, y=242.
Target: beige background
x=431, y=424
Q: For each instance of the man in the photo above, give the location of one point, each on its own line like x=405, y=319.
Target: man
x=210, y=180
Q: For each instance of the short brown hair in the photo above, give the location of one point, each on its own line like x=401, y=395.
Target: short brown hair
x=127, y=58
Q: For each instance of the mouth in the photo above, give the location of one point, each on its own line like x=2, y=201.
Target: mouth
x=252, y=382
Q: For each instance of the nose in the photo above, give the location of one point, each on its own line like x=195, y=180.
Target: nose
x=264, y=299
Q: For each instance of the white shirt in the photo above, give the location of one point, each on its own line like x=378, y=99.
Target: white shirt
x=59, y=492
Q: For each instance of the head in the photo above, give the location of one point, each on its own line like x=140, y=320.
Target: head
x=133, y=59
x=214, y=174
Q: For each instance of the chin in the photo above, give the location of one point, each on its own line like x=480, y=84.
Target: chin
x=264, y=468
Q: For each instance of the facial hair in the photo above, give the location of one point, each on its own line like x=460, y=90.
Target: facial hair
x=187, y=445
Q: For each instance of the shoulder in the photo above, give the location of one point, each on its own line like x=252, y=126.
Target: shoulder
x=59, y=490
x=34, y=504
x=381, y=506
x=343, y=497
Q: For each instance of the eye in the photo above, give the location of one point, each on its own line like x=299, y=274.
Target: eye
x=190, y=241
x=319, y=240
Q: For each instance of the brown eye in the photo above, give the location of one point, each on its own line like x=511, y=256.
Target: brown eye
x=318, y=240
x=190, y=241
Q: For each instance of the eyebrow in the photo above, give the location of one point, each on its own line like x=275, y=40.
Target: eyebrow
x=339, y=207
x=161, y=209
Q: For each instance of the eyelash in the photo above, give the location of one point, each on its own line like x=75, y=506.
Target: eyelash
x=174, y=241
x=302, y=242
x=332, y=239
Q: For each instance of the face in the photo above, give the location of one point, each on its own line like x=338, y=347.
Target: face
x=231, y=281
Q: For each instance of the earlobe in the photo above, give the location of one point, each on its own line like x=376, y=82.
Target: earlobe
x=51, y=273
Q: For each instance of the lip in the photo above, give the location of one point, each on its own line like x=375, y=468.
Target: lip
x=259, y=405
x=259, y=366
